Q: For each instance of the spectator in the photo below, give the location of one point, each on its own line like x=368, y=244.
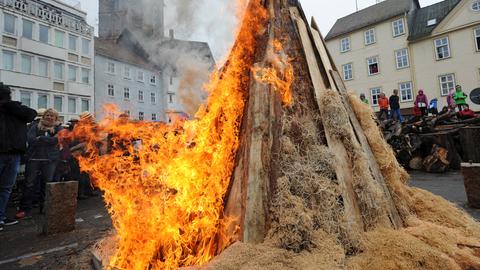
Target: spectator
x=460, y=98
x=450, y=101
x=421, y=102
x=42, y=157
x=363, y=99
x=395, y=106
x=466, y=113
x=383, y=103
x=13, y=140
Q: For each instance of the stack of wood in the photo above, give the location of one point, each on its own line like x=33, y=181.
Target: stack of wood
x=434, y=143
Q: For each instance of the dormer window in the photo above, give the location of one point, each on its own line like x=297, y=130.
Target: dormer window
x=431, y=22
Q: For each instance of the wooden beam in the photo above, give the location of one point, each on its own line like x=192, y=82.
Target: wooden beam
x=343, y=166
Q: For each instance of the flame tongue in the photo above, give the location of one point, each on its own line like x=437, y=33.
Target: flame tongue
x=165, y=195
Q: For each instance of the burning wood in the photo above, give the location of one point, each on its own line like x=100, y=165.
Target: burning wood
x=281, y=159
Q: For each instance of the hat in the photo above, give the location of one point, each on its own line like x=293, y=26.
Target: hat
x=5, y=90
x=86, y=116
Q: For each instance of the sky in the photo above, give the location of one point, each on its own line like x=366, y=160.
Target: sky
x=326, y=12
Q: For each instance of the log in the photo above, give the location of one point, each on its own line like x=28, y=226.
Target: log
x=446, y=140
x=469, y=138
x=60, y=207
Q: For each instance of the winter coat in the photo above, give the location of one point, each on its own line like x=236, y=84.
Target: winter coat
x=43, y=145
x=13, y=126
x=383, y=103
x=421, y=98
x=394, y=102
x=460, y=97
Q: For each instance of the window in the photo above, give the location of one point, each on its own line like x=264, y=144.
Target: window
x=59, y=39
x=43, y=33
x=402, y=58
x=111, y=68
x=72, y=105
x=58, y=70
x=345, y=44
x=442, y=48
x=140, y=95
x=85, y=46
x=477, y=38
x=27, y=64
x=373, y=65
x=170, y=98
x=140, y=76
x=58, y=103
x=8, y=60
x=153, y=79
x=154, y=117
x=370, y=36
x=9, y=23
x=406, y=93
x=72, y=73
x=431, y=22
x=141, y=116
x=126, y=93
x=126, y=72
x=85, y=75
x=398, y=28
x=42, y=101
x=476, y=5
x=347, y=72
x=43, y=67
x=111, y=90
x=447, y=82
x=153, y=98
x=375, y=94
x=26, y=98
x=27, y=30
x=85, y=105
x=72, y=42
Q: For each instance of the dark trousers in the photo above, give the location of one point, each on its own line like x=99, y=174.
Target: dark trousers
x=47, y=173
x=396, y=115
x=8, y=174
x=460, y=107
x=382, y=112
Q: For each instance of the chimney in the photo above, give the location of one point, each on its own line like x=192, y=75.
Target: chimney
x=172, y=34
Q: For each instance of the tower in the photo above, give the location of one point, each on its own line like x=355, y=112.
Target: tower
x=144, y=17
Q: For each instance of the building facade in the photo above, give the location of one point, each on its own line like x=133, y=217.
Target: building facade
x=47, y=55
x=132, y=35
x=125, y=78
x=396, y=44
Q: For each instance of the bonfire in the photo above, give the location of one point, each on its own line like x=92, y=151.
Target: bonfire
x=281, y=169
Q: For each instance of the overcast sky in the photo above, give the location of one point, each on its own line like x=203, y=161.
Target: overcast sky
x=326, y=12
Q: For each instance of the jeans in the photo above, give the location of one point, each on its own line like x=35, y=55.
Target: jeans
x=47, y=173
x=9, y=165
x=397, y=115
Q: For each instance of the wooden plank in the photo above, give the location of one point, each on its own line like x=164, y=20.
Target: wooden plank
x=343, y=167
x=337, y=83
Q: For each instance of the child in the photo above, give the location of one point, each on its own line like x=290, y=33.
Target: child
x=383, y=103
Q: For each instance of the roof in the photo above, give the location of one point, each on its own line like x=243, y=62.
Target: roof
x=369, y=16
x=124, y=49
x=418, y=23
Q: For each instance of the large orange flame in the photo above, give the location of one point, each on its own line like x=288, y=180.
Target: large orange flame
x=165, y=185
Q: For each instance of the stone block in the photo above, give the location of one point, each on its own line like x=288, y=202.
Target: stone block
x=60, y=207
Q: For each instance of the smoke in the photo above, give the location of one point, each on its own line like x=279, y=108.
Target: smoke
x=187, y=65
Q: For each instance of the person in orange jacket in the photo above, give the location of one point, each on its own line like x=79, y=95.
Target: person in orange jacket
x=383, y=103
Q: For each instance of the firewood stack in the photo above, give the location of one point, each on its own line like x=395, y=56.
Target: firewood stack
x=434, y=143
x=315, y=185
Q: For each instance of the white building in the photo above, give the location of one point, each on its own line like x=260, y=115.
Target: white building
x=396, y=44
x=47, y=55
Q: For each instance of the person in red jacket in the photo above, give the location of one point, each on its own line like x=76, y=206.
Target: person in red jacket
x=383, y=103
x=466, y=113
